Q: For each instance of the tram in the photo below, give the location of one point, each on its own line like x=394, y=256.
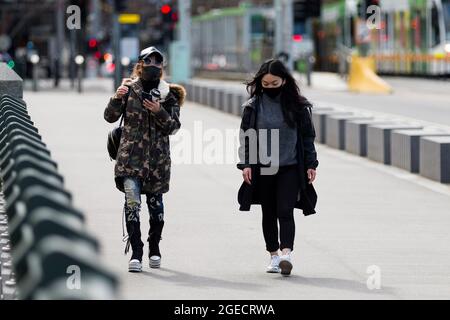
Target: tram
x=232, y=39
x=412, y=37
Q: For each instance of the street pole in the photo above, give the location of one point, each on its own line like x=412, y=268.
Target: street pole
x=184, y=8
x=284, y=29
x=35, y=78
x=79, y=61
x=364, y=47
x=310, y=60
x=60, y=5
x=117, y=55
x=80, y=77
x=278, y=27
x=289, y=31
x=34, y=59
x=72, y=66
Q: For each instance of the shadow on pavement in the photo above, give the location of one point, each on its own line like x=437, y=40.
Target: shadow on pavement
x=339, y=284
x=186, y=279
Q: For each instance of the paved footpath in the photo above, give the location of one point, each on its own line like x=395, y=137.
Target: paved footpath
x=368, y=214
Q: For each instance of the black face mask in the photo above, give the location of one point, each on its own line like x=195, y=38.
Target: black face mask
x=151, y=73
x=273, y=92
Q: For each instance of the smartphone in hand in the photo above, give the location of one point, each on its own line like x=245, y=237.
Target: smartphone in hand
x=146, y=95
x=154, y=95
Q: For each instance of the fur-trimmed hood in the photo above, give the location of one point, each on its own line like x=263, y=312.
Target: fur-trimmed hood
x=164, y=87
x=179, y=92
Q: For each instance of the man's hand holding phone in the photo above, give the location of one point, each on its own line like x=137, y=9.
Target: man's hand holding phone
x=150, y=100
x=153, y=106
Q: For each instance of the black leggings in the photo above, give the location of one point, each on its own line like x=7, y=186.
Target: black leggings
x=278, y=197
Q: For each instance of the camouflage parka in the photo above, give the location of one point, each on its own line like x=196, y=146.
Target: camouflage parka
x=144, y=150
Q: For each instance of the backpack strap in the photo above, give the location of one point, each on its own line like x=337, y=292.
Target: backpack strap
x=124, y=108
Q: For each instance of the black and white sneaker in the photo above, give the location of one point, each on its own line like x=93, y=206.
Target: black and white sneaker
x=285, y=265
x=135, y=266
x=155, y=262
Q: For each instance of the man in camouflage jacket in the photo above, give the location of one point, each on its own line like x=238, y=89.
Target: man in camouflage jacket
x=144, y=150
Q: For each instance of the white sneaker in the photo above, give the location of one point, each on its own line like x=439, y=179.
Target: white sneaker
x=155, y=262
x=273, y=266
x=285, y=265
x=134, y=266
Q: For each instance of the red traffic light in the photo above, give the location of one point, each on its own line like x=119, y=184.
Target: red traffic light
x=297, y=37
x=166, y=9
x=92, y=43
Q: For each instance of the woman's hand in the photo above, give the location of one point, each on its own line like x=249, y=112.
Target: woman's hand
x=311, y=175
x=121, y=91
x=152, y=106
x=247, y=175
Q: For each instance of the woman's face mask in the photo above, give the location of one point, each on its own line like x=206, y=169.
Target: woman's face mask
x=273, y=92
x=151, y=73
x=272, y=85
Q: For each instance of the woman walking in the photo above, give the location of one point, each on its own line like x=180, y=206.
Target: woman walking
x=143, y=158
x=280, y=118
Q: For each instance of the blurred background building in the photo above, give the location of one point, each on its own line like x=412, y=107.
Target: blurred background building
x=229, y=36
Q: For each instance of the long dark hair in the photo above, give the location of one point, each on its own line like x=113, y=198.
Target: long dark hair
x=292, y=102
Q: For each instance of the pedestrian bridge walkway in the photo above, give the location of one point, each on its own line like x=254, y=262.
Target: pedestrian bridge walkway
x=374, y=223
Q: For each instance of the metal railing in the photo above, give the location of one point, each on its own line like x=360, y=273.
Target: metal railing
x=42, y=234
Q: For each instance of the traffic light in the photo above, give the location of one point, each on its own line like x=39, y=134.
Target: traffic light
x=94, y=48
x=175, y=17
x=169, y=19
x=166, y=9
x=92, y=45
x=304, y=9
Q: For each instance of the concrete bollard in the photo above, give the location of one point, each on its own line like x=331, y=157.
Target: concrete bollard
x=215, y=99
x=235, y=106
x=220, y=100
x=319, y=120
x=211, y=102
x=379, y=140
x=228, y=102
x=189, y=91
x=356, y=135
x=209, y=96
x=240, y=99
x=243, y=98
x=204, y=95
x=435, y=158
x=197, y=93
x=10, y=82
x=336, y=130
x=405, y=147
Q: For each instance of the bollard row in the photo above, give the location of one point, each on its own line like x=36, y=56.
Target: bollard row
x=53, y=257
x=408, y=146
x=226, y=100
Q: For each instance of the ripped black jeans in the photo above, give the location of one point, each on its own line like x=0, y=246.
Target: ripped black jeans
x=132, y=209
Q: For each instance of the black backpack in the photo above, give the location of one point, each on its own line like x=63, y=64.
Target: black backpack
x=114, y=136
